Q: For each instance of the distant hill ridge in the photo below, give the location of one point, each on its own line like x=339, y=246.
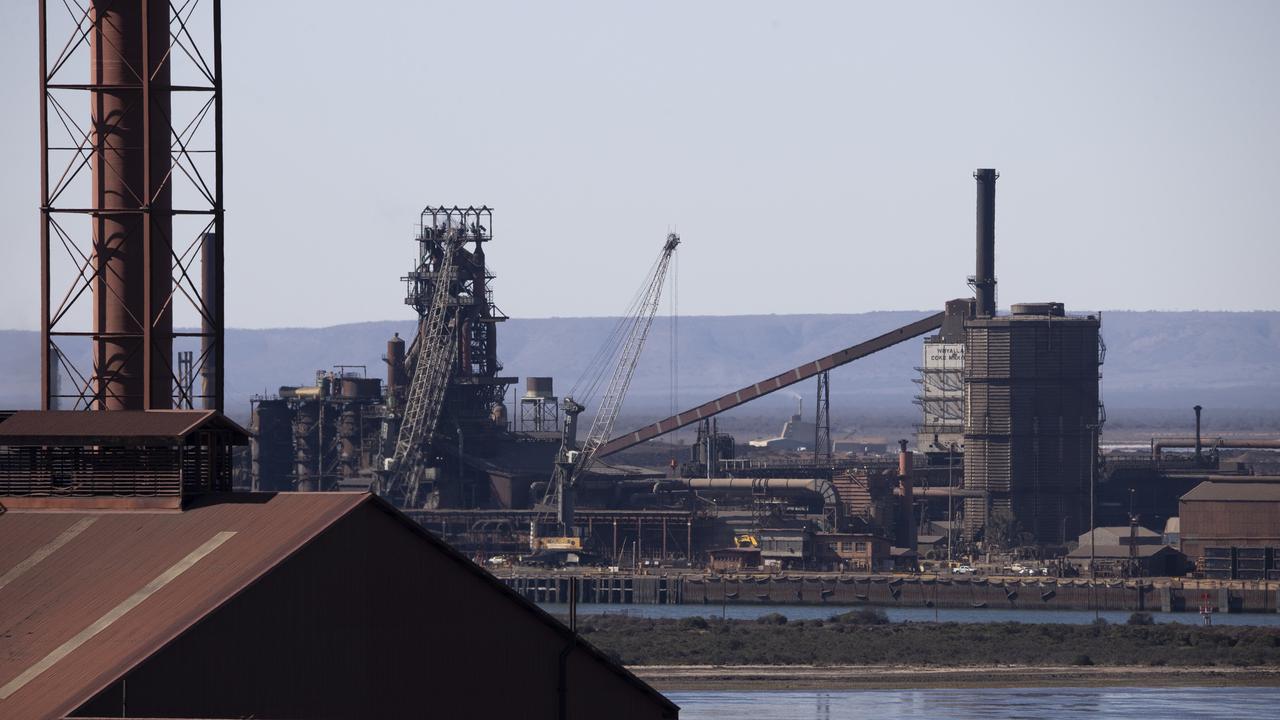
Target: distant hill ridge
x=1154, y=359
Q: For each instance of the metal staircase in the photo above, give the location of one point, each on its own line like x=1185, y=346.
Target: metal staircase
x=435, y=348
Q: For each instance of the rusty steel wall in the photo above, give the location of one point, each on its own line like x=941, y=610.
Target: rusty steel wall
x=1227, y=523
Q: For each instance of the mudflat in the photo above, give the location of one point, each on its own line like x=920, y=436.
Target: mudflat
x=676, y=678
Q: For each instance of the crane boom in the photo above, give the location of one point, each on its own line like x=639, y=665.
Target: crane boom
x=777, y=382
x=573, y=463
x=611, y=403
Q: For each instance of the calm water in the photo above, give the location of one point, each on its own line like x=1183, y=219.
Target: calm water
x=1244, y=703
x=911, y=614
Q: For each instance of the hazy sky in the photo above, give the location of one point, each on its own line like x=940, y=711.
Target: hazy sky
x=815, y=157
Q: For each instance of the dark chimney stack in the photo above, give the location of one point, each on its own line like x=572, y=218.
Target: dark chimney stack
x=1198, y=446
x=984, y=281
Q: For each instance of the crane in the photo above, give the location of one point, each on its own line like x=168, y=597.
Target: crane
x=625, y=343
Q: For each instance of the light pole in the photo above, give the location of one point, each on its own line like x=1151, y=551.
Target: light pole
x=1093, y=545
x=951, y=517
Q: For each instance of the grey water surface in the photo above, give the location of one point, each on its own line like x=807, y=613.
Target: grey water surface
x=1244, y=703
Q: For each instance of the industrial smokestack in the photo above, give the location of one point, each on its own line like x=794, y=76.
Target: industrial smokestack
x=212, y=322
x=132, y=220
x=905, y=464
x=984, y=280
x=1198, y=446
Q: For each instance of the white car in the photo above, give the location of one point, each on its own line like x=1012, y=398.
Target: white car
x=963, y=570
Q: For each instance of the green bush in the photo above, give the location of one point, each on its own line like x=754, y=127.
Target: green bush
x=1141, y=618
x=772, y=619
x=864, y=637
x=863, y=616
x=695, y=622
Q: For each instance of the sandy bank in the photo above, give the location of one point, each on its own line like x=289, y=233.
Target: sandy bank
x=870, y=677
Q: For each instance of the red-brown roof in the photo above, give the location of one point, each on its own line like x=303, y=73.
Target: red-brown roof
x=87, y=596
x=1234, y=492
x=37, y=427
x=63, y=574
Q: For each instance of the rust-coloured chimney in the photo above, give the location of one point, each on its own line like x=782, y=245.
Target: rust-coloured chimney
x=132, y=225
x=905, y=464
x=984, y=279
x=395, y=367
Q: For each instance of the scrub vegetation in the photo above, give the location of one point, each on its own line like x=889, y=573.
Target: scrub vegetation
x=865, y=637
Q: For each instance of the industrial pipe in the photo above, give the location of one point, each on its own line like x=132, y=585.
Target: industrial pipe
x=308, y=392
x=212, y=322
x=1158, y=446
x=938, y=492
x=818, y=486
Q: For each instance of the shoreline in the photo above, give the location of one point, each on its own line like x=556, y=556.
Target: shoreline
x=764, y=678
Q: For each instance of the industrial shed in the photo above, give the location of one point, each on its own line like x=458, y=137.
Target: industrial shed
x=124, y=459
x=315, y=605
x=1123, y=561
x=1229, y=514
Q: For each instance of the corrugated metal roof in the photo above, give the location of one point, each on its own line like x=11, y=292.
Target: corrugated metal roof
x=63, y=575
x=86, y=596
x=51, y=426
x=1112, y=552
x=1234, y=491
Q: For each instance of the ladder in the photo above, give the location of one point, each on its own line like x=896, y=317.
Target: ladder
x=436, y=348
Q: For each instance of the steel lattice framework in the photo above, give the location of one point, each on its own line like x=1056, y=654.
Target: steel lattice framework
x=145, y=247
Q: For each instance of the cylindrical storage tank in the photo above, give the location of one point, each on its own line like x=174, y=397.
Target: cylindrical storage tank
x=1047, y=309
x=360, y=388
x=395, y=365
x=538, y=387
x=124, y=153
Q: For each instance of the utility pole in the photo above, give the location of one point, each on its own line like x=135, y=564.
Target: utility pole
x=1093, y=545
x=951, y=517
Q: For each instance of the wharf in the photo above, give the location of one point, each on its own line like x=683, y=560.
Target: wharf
x=1151, y=594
